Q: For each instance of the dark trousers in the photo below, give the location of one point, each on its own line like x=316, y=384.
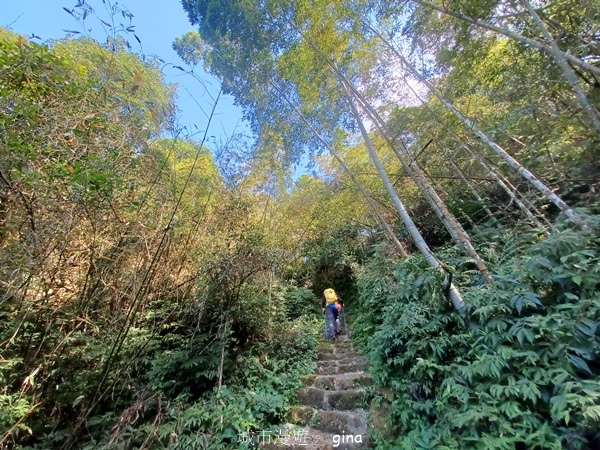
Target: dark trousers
x=332, y=314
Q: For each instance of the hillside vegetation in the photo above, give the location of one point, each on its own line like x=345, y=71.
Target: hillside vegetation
x=156, y=294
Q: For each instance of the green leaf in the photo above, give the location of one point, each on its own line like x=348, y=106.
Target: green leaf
x=579, y=363
x=587, y=327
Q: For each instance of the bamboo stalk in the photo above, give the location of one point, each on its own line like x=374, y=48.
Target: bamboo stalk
x=456, y=230
x=504, y=187
x=517, y=166
x=568, y=73
x=473, y=191
x=453, y=292
x=357, y=183
x=511, y=34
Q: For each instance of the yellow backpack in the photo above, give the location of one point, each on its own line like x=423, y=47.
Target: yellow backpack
x=330, y=296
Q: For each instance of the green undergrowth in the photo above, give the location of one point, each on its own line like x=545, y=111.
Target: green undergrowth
x=517, y=368
x=166, y=393
x=255, y=395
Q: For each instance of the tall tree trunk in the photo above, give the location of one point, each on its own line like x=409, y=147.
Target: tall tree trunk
x=370, y=202
x=531, y=178
x=453, y=292
x=468, y=219
x=387, y=228
x=449, y=221
x=473, y=191
x=222, y=359
x=536, y=211
x=568, y=73
x=511, y=34
x=504, y=187
x=346, y=169
x=457, y=232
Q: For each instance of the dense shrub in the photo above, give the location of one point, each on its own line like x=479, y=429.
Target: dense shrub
x=123, y=324
x=517, y=368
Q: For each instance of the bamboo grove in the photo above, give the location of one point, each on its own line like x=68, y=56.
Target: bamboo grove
x=336, y=44
x=158, y=294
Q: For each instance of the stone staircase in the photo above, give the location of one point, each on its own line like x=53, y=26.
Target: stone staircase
x=331, y=412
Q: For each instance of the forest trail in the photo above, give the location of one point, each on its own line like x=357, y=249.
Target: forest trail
x=331, y=405
x=161, y=282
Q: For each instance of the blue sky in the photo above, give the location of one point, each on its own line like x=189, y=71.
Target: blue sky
x=157, y=24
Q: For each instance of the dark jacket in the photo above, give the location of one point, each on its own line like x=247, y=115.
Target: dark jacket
x=339, y=299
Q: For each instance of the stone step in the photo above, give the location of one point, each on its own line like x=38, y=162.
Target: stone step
x=338, y=382
x=331, y=402
x=334, y=347
x=311, y=439
x=300, y=415
x=343, y=400
x=341, y=422
x=336, y=422
x=353, y=367
x=341, y=352
x=327, y=356
x=341, y=361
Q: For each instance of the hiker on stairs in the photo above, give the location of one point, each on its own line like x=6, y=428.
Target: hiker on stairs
x=331, y=305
